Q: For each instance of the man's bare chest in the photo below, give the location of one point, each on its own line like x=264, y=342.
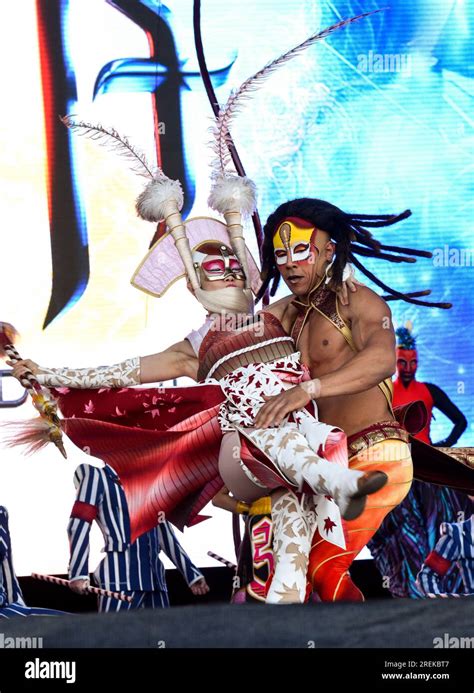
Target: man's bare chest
x=323, y=348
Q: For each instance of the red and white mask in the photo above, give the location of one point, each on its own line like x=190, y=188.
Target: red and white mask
x=293, y=241
x=217, y=261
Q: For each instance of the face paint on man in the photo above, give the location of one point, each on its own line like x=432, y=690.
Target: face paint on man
x=301, y=253
x=407, y=363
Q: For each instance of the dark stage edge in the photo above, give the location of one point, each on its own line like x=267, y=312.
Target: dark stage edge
x=381, y=623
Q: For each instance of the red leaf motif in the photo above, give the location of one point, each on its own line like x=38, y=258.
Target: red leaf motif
x=153, y=412
x=328, y=524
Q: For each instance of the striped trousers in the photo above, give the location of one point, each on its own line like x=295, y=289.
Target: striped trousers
x=140, y=600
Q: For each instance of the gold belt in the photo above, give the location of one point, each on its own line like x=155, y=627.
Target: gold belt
x=385, y=430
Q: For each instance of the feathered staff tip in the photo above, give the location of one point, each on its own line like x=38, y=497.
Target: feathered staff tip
x=47, y=427
x=33, y=434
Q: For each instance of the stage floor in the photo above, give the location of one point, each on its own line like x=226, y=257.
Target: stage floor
x=397, y=623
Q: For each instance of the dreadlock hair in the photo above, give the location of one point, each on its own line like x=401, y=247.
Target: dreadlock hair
x=405, y=339
x=351, y=236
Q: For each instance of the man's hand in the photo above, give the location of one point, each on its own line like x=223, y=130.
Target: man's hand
x=350, y=283
x=22, y=367
x=79, y=586
x=200, y=587
x=277, y=407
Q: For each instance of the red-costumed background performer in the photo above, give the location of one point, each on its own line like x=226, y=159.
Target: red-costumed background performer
x=406, y=389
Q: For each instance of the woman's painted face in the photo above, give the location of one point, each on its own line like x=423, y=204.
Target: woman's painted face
x=218, y=267
x=215, y=268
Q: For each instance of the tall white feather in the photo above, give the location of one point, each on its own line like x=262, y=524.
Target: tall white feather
x=227, y=113
x=110, y=138
x=162, y=198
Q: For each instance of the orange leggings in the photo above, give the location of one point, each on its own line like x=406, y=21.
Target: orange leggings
x=329, y=564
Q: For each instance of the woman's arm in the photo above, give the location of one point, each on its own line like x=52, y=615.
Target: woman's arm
x=178, y=360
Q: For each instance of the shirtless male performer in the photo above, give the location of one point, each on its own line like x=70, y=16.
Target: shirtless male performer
x=350, y=352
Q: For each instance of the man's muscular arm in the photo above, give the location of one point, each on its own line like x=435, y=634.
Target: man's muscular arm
x=374, y=338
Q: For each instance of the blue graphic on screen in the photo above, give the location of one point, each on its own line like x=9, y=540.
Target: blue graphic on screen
x=375, y=120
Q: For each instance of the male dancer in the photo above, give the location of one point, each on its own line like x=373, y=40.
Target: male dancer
x=350, y=352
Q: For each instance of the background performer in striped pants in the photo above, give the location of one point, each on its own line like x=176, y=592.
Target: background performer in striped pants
x=11, y=597
x=132, y=568
x=454, y=550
